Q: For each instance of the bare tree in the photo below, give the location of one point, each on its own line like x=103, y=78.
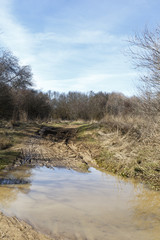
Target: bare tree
x=11, y=73
x=145, y=52
x=13, y=79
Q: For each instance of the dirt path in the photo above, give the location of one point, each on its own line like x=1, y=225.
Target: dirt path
x=50, y=148
x=55, y=149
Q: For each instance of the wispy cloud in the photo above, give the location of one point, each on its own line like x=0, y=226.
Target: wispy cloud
x=82, y=59
x=15, y=36
x=95, y=82
x=79, y=37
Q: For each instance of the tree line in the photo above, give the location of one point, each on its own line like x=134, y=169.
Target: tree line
x=19, y=101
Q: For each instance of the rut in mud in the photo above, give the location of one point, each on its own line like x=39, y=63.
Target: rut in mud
x=54, y=147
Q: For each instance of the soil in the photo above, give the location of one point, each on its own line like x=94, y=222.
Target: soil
x=13, y=229
x=50, y=147
x=54, y=147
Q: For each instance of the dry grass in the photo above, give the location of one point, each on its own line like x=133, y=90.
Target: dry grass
x=12, y=138
x=126, y=146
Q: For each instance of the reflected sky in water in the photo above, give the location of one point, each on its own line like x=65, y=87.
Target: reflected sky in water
x=91, y=205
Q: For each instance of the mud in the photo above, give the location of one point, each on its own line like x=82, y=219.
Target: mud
x=54, y=147
x=13, y=229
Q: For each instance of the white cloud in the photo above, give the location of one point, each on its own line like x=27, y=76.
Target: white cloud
x=79, y=37
x=81, y=60
x=95, y=82
x=14, y=36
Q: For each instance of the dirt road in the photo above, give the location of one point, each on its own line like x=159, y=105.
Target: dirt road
x=55, y=148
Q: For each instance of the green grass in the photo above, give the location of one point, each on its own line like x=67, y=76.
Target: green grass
x=87, y=127
x=7, y=158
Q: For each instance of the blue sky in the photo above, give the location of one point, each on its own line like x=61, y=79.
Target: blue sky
x=76, y=45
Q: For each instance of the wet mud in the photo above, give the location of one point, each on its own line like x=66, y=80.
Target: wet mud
x=54, y=147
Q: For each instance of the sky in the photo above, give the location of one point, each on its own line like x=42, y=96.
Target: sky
x=77, y=45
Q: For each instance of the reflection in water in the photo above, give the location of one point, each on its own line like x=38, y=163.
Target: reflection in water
x=83, y=205
x=147, y=211
x=12, y=182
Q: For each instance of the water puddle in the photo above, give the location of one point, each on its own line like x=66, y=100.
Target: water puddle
x=90, y=206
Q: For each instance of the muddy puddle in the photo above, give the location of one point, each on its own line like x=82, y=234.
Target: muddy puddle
x=76, y=205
